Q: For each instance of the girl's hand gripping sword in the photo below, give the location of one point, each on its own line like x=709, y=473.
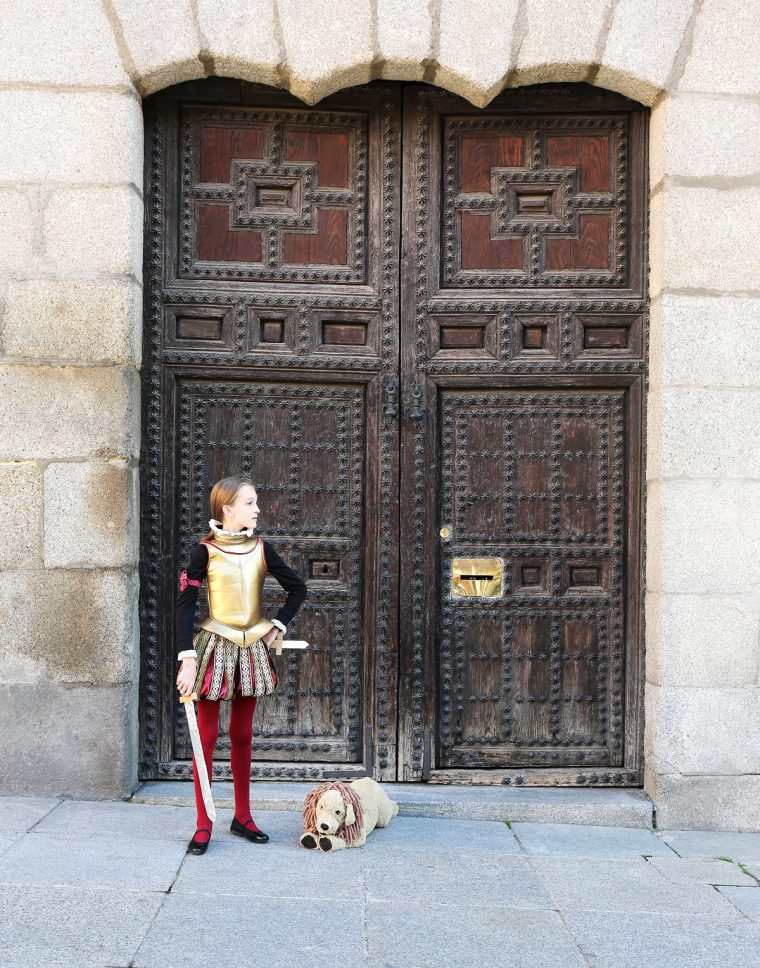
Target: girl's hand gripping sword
x=200, y=762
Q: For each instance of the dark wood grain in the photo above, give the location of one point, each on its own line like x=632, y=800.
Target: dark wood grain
x=453, y=340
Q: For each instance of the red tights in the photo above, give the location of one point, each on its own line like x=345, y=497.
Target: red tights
x=241, y=732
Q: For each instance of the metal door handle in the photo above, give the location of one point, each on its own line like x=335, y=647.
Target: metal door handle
x=415, y=411
x=391, y=391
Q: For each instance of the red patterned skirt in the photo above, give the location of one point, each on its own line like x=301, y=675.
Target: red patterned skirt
x=226, y=669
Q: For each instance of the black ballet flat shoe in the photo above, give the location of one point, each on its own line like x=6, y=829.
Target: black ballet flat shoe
x=199, y=846
x=242, y=830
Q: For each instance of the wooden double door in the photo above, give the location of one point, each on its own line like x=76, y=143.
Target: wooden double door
x=420, y=328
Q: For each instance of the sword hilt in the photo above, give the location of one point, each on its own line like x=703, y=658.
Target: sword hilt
x=193, y=697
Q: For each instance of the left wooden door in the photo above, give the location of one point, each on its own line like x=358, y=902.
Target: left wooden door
x=271, y=349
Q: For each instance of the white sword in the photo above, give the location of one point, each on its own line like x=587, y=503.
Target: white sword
x=200, y=762
x=288, y=644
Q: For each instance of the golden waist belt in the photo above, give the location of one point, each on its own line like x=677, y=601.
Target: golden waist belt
x=242, y=637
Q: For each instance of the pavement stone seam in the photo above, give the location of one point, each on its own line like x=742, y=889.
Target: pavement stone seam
x=576, y=940
x=743, y=914
x=159, y=909
x=43, y=817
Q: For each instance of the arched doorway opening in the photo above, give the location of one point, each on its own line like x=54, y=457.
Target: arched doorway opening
x=420, y=327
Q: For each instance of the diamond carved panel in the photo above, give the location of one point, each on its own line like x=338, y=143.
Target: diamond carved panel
x=273, y=195
x=535, y=203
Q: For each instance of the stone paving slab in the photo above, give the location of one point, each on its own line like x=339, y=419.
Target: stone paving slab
x=117, y=820
x=424, y=834
x=739, y=847
x=666, y=941
x=613, y=807
x=263, y=870
x=459, y=880
x=124, y=865
x=556, y=840
x=701, y=870
x=746, y=899
x=120, y=820
x=248, y=932
x=401, y=935
x=62, y=927
x=19, y=814
x=624, y=886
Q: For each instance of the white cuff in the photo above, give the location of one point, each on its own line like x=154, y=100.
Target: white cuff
x=279, y=625
x=187, y=654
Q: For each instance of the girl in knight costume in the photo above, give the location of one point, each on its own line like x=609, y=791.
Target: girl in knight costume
x=225, y=660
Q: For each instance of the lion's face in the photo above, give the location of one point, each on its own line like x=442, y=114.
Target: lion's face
x=332, y=812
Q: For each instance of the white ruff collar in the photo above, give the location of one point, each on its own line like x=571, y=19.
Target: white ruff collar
x=216, y=527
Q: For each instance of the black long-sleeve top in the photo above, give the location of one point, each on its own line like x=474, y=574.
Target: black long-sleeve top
x=193, y=577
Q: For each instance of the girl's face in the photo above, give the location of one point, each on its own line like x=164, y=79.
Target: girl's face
x=243, y=512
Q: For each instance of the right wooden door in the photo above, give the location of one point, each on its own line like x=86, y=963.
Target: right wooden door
x=523, y=322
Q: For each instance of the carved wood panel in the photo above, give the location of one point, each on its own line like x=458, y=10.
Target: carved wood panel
x=273, y=195
x=271, y=350
x=456, y=344
x=523, y=367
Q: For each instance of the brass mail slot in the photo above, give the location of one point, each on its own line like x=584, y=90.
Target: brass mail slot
x=477, y=577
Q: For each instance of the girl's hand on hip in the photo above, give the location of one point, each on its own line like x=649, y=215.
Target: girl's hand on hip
x=186, y=676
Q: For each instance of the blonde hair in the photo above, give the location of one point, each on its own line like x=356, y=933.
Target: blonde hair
x=224, y=492
x=349, y=834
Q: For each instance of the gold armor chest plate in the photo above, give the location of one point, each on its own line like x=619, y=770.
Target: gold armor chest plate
x=235, y=581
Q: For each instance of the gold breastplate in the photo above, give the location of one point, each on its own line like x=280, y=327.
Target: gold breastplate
x=235, y=581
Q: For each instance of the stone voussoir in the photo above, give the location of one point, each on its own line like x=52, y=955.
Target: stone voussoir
x=636, y=67
x=328, y=45
x=475, y=47
x=725, y=49
x=241, y=40
x=404, y=38
x=559, y=48
x=162, y=40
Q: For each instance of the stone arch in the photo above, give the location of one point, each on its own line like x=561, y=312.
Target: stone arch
x=474, y=50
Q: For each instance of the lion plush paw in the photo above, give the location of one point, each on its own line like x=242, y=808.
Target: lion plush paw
x=309, y=841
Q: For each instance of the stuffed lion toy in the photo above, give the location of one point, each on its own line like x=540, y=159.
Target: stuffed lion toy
x=338, y=815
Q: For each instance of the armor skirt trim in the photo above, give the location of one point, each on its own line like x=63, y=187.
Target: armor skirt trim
x=226, y=669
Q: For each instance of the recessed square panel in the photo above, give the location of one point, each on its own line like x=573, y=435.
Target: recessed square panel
x=467, y=336
x=325, y=569
x=530, y=576
x=583, y=576
x=608, y=335
x=345, y=333
x=536, y=335
x=199, y=327
x=271, y=331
